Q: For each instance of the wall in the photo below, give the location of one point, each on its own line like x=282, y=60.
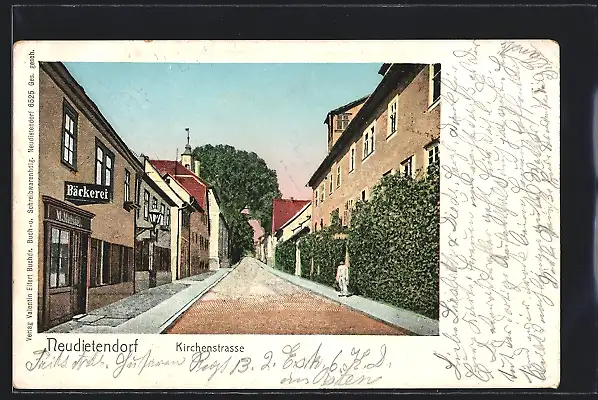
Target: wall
x=223, y=245
x=163, y=235
x=199, y=254
x=295, y=224
x=112, y=223
x=214, y=256
x=416, y=127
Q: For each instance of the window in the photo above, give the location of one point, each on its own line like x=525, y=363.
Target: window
x=127, y=185
x=321, y=223
x=69, y=136
x=392, y=117
x=162, y=214
x=59, y=259
x=342, y=121
x=146, y=197
x=154, y=203
x=352, y=159
x=323, y=192
x=331, y=186
x=104, y=165
x=316, y=198
x=433, y=154
x=408, y=167
x=167, y=217
x=435, y=84
x=363, y=195
x=338, y=176
x=368, y=141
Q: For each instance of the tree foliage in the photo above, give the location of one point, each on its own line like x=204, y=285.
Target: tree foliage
x=242, y=180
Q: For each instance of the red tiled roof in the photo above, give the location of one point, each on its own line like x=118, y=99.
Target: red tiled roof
x=283, y=210
x=194, y=185
x=258, y=231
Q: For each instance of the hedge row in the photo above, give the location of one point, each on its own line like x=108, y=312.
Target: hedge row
x=322, y=252
x=394, y=243
x=285, y=256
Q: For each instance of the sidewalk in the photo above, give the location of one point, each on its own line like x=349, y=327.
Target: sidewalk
x=149, y=311
x=418, y=324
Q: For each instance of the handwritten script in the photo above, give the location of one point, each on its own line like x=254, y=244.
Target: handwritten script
x=292, y=365
x=499, y=213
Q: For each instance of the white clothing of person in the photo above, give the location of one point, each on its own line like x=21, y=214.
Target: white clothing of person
x=342, y=277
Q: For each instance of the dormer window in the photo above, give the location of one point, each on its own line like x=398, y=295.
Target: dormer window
x=342, y=121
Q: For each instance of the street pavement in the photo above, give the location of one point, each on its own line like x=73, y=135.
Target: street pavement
x=252, y=300
x=142, y=312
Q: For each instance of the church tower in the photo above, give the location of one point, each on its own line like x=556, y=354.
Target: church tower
x=187, y=156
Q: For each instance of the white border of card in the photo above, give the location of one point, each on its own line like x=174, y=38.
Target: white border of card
x=500, y=247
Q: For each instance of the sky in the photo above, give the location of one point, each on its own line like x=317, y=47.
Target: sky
x=275, y=110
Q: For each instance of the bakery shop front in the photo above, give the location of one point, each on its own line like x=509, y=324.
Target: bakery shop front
x=66, y=246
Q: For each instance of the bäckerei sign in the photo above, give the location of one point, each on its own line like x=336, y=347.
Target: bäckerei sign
x=86, y=193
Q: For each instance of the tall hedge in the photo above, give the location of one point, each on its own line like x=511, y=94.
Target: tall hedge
x=394, y=243
x=322, y=252
x=285, y=256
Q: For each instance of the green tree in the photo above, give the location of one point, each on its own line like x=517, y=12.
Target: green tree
x=243, y=181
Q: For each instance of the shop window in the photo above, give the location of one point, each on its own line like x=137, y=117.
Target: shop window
x=59, y=259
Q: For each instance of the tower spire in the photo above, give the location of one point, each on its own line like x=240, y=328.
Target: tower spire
x=187, y=129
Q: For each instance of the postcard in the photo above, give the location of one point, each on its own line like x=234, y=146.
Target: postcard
x=280, y=215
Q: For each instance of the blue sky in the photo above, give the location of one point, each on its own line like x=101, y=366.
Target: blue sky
x=276, y=110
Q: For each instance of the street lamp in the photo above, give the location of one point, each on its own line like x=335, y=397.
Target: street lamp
x=154, y=217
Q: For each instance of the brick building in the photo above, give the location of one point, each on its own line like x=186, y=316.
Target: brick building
x=87, y=186
x=396, y=128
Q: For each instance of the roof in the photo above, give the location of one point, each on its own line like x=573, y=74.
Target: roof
x=258, y=231
x=297, y=214
x=285, y=209
x=175, y=168
x=384, y=68
x=346, y=107
x=394, y=74
x=194, y=185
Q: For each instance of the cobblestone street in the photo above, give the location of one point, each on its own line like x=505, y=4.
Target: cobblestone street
x=251, y=300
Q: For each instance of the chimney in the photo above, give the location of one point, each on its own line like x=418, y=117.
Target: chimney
x=196, y=169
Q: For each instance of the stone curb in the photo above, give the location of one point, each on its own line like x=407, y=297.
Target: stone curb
x=405, y=319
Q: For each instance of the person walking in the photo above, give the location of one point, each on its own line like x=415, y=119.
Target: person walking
x=342, y=278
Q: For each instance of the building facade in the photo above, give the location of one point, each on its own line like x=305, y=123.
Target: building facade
x=218, y=233
x=396, y=129
x=282, y=211
x=155, y=241
x=293, y=230
x=87, y=183
x=194, y=235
